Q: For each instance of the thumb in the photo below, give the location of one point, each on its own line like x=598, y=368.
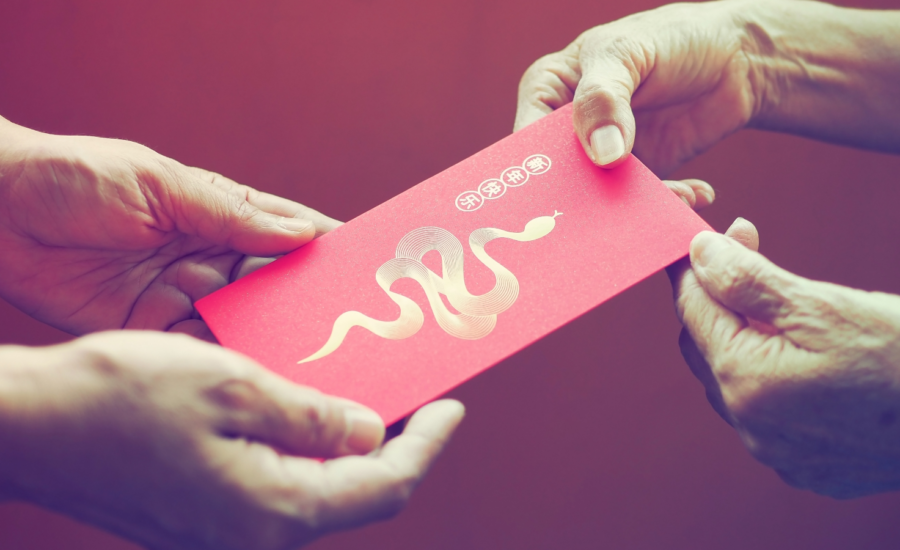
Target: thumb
x=603, y=118
x=743, y=280
x=296, y=419
x=213, y=211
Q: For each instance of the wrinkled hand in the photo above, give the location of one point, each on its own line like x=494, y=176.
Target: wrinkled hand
x=807, y=372
x=100, y=234
x=178, y=444
x=668, y=83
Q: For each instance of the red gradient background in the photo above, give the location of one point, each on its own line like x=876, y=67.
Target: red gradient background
x=595, y=437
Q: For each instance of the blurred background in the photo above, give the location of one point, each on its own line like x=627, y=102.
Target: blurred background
x=595, y=437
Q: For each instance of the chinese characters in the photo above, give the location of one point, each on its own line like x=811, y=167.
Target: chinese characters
x=514, y=176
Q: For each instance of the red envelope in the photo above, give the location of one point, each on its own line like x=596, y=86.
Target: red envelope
x=434, y=286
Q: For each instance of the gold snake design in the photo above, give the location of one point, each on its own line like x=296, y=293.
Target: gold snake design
x=478, y=314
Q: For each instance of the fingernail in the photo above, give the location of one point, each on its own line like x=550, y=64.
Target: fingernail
x=365, y=430
x=705, y=246
x=707, y=194
x=607, y=144
x=295, y=224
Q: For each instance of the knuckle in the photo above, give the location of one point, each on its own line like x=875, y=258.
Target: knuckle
x=746, y=280
x=98, y=359
x=205, y=176
x=619, y=47
x=553, y=63
x=595, y=96
x=321, y=422
x=242, y=209
x=235, y=393
x=550, y=79
x=736, y=278
x=214, y=178
x=538, y=67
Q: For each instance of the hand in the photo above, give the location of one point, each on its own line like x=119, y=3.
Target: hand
x=177, y=444
x=807, y=372
x=100, y=234
x=671, y=82
x=684, y=69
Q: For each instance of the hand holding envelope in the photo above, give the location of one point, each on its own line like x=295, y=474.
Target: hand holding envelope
x=163, y=439
x=101, y=234
x=803, y=370
x=176, y=443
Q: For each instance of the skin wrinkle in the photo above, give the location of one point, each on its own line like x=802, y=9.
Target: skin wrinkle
x=46, y=199
x=79, y=308
x=161, y=271
x=129, y=314
x=757, y=46
x=61, y=190
x=119, y=470
x=172, y=502
x=553, y=97
x=156, y=198
x=143, y=209
x=236, y=269
x=168, y=200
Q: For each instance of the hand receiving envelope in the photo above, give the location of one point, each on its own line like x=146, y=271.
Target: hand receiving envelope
x=423, y=292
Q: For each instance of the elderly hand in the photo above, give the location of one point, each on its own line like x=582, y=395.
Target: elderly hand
x=807, y=372
x=671, y=82
x=101, y=234
x=177, y=444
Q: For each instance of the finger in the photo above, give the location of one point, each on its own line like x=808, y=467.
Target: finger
x=603, y=118
x=295, y=419
x=362, y=489
x=707, y=321
x=697, y=194
x=547, y=85
x=204, y=204
x=710, y=325
x=744, y=232
x=743, y=280
x=695, y=360
x=741, y=230
x=288, y=208
x=248, y=265
x=267, y=202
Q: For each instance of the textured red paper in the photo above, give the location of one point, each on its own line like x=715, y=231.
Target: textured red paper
x=617, y=227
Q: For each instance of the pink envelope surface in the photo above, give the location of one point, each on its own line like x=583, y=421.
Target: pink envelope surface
x=434, y=286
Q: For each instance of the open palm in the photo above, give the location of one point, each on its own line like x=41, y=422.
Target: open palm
x=101, y=234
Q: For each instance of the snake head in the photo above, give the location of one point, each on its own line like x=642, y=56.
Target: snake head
x=538, y=227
